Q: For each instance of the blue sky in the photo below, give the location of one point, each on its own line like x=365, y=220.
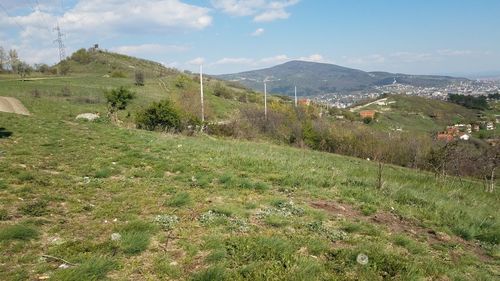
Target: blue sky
x=459, y=37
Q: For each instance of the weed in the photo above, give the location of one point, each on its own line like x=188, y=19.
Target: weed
x=4, y=215
x=166, y=222
x=36, y=208
x=92, y=269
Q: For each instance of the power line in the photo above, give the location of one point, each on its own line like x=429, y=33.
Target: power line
x=59, y=41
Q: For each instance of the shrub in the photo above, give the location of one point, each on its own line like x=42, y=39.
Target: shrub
x=222, y=91
x=166, y=222
x=118, y=99
x=159, y=116
x=4, y=215
x=18, y=232
x=81, y=56
x=139, y=78
x=181, y=81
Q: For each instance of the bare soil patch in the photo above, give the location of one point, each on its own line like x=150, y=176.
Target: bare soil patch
x=397, y=224
x=12, y=105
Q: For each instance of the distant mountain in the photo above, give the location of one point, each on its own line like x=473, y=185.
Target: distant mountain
x=320, y=78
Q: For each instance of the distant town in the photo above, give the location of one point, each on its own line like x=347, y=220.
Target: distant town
x=474, y=88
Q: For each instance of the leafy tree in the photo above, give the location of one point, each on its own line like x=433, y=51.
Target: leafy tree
x=3, y=59
x=159, y=116
x=139, y=78
x=13, y=59
x=118, y=99
x=471, y=102
x=64, y=68
x=23, y=69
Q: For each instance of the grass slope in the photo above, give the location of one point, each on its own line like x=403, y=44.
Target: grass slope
x=419, y=114
x=229, y=210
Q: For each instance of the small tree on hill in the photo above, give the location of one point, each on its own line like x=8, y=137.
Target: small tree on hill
x=118, y=99
x=139, y=78
x=64, y=68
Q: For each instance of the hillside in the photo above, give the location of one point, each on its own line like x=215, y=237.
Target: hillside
x=319, y=78
x=417, y=114
x=111, y=201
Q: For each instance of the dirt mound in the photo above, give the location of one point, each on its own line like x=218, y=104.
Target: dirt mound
x=12, y=105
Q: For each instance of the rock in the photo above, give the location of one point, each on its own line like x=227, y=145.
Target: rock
x=362, y=259
x=116, y=236
x=88, y=116
x=64, y=266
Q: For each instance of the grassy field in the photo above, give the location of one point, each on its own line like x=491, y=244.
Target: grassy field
x=118, y=203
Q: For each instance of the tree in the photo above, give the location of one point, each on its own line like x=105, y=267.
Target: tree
x=13, y=59
x=139, y=78
x=64, y=68
x=23, y=69
x=118, y=99
x=3, y=59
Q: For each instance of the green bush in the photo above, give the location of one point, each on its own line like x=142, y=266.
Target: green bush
x=18, y=232
x=222, y=91
x=159, y=116
x=81, y=56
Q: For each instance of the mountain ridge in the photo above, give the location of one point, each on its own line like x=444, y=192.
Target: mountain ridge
x=314, y=78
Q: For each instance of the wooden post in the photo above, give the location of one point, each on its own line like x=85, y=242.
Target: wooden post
x=201, y=95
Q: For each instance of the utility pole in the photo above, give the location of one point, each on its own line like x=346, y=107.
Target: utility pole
x=201, y=95
x=265, y=100
x=295, y=96
x=62, y=51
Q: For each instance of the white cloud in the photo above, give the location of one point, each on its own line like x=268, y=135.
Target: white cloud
x=196, y=61
x=135, y=16
x=261, y=10
x=453, y=53
x=271, y=15
x=258, y=32
x=314, y=58
x=31, y=31
x=240, y=61
x=148, y=49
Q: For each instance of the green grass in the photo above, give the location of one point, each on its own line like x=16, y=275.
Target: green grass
x=247, y=214
x=92, y=269
x=18, y=232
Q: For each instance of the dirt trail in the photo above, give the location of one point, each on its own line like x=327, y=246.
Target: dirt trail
x=397, y=224
x=12, y=105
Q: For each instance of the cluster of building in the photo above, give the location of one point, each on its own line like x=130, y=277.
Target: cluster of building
x=464, y=131
x=475, y=88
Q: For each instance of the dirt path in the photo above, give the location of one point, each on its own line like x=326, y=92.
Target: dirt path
x=397, y=224
x=12, y=105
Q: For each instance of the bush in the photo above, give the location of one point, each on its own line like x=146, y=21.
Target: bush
x=222, y=91
x=139, y=78
x=64, y=68
x=119, y=98
x=159, y=116
x=18, y=232
x=81, y=56
x=181, y=81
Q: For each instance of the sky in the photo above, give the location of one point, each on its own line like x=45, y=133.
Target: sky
x=456, y=37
